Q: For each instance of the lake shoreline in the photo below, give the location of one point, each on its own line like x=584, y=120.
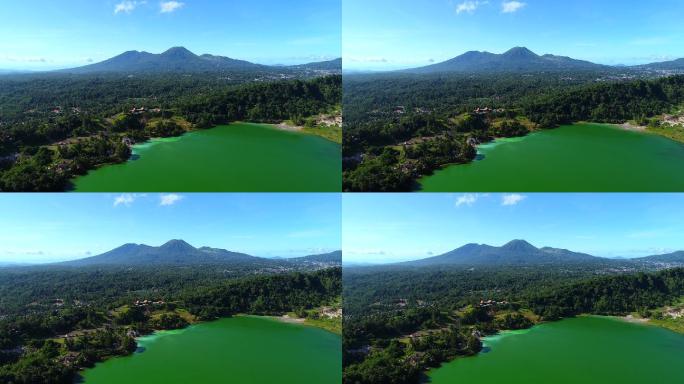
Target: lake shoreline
x=419, y=187
x=634, y=320
x=285, y=318
x=630, y=147
x=239, y=157
x=659, y=323
x=284, y=126
x=584, y=327
x=631, y=127
x=155, y=350
x=288, y=319
x=291, y=127
x=70, y=187
x=631, y=319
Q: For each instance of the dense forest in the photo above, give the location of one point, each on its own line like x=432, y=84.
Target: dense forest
x=399, y=127
x=615, y=295
x=608, y=102
x=56, y=126
x=55, y=321
x=398, y=322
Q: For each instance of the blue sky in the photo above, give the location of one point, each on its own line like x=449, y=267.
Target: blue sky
x=47, y=34
x=50, y=227
x=384, y=34
x=379, y=228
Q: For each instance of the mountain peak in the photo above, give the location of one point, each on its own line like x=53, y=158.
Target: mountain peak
x=181, y=60
x=469, y=246
x=519, y=245
x=515, y=252
x=177, y=49
x=177, y=244
x=519, y=52
x=473, y=53
x=179, y=253
x=517, y=59
x=127, y=246
x=178, y=52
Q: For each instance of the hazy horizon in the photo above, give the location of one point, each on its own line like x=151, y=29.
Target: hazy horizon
x=74, y=33
x=47, y=228
x=275, y=254
x=388, y=262
x=313, y=59
x=389, y=228
x=389, y=35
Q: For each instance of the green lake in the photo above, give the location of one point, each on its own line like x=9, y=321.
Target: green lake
x=242, y=349
x=588, y=350
x=240, y=157
x=573, y=158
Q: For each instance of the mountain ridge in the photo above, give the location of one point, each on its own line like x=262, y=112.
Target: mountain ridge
x=180, y=253
x=330, y=257
x=672, y=257
x=675, y=64
x=181, y=60
x=522, y=59
x=516, y=59
x=173, y=252
x=522, y=253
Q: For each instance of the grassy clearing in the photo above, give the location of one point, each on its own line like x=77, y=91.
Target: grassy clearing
x=320, y=317
x=664, y=317
x=180, y=121
x=531, y=316
x=332, y=133
x=331, y=325
x=326, y=125
x=527, y=123
x=673, y=132
x=676, y=325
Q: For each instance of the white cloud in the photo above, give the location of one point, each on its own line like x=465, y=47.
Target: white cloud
x=170, y=6
x=126, y=199
x=169, y=199
x=512, y=199
x=511, y=6
x=469, y=6
x=466, y=199
x=127, y=6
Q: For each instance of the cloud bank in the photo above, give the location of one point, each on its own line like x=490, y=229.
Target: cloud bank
x=170, y=6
